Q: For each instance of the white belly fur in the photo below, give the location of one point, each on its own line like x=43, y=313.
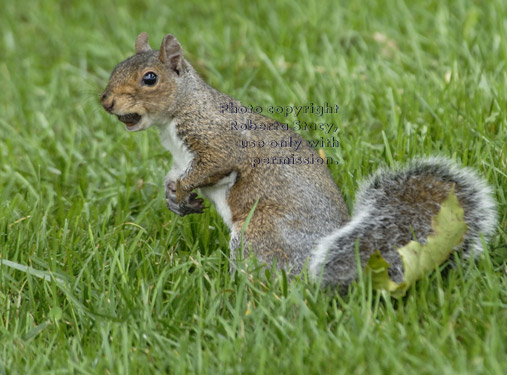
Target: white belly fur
x=218, y=195
x=182, y=157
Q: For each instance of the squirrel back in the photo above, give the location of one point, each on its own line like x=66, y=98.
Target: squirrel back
x=394, y=207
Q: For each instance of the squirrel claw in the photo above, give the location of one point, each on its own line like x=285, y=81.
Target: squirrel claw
x=190, y=204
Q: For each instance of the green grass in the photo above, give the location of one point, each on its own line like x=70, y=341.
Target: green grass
x=98, y=277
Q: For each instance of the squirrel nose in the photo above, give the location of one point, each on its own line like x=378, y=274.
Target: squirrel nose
x=107, y=104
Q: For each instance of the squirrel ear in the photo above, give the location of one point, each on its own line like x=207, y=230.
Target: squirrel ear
x=142, y=44
x=171, y=53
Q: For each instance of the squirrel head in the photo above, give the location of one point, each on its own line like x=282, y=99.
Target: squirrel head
x=142, y=90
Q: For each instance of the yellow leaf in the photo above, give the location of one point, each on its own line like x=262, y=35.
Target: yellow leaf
x=448, y=230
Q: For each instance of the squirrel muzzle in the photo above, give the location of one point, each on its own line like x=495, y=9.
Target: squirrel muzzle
x=108, y=102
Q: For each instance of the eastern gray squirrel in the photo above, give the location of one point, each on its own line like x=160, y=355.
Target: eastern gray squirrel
x=300, y=214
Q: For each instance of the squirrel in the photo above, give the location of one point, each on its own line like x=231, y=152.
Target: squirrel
x=300, y=215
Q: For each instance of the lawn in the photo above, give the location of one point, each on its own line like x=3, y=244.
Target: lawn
x=98, y=277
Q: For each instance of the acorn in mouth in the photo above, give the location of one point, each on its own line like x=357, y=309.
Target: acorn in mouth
x=130, y=119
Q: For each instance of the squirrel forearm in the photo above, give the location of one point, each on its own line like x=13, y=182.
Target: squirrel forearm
x=200, y=175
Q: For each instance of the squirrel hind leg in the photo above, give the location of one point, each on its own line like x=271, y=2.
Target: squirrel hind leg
x=262, y=240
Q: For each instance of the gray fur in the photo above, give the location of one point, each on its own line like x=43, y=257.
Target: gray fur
x=383, y=220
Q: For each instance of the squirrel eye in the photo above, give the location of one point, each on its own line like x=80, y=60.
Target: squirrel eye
x=149, y=79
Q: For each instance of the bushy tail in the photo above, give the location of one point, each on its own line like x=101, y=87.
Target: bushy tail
x=394, y=207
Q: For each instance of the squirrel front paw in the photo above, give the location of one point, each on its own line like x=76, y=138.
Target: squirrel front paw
x=189, y=205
